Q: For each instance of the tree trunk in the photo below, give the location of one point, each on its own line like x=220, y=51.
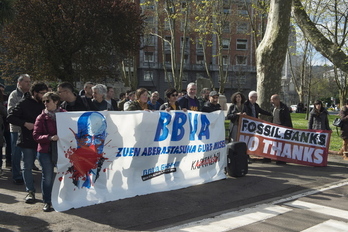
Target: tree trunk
x=270, y=55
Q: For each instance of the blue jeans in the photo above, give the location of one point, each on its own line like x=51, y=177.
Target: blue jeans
x=47, y=176
x=29, y=156
x=16, y=157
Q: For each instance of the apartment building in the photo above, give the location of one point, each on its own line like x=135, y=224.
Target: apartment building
x=209, y=43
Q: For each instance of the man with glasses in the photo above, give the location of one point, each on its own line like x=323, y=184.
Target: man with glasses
x=24, y=115
x=212, y=104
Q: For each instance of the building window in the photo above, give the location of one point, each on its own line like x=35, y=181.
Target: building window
x=226, y=10
x=240, y=80
x=166, y=24
x=149, y=22
x=148, y=75
x=149, y=40
x=186, y=59
x=242, y=27
x=187, y=41
x=169, y=77
x=182, y=25
x=242, y=44
x=225, y=60
x=148, y=57
x=200, y=59
x=242, y=10
x=167, y=58
x=226, y=27
x=225, y=43
x=241, y=60
x=185, y=76
x=199, y=46
x=167, y=41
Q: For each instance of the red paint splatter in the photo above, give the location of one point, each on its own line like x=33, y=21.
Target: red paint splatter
x=83, y=159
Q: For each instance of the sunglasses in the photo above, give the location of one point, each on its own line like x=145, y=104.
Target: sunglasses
x=46, y=101
x=174, y=95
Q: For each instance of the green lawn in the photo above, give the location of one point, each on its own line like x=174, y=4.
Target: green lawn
x=299, y=122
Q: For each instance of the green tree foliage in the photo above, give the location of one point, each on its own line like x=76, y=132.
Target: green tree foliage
x=71, y=40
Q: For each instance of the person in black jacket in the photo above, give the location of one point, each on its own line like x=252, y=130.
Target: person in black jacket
x=251, y=108
x=24, y=115
x=212, y=104
x=233, y=113
x=281, y=113
x=318, y=117
x=172, y=103
x=73, y=102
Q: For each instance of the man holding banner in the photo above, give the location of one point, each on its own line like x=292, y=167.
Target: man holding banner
x=281, y=115
x=251, y=108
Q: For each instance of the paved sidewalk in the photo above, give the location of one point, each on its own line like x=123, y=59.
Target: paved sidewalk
x=151, y=212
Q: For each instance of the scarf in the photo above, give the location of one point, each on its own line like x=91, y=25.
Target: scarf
x=143, y=105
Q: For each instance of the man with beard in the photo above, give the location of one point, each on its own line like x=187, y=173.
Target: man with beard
x=190, y=101
x=24, y=115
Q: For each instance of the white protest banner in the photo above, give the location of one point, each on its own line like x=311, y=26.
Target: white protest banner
x=105, y=156
x=307, y=147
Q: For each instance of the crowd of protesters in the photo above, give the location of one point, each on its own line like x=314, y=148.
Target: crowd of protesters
x=28, y=122
x=30, y=127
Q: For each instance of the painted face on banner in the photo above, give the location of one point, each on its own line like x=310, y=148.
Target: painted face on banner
x=88, y=158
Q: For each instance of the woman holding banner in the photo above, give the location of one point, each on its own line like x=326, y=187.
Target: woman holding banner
x=172, y=103
x=318, y=117
x=233, y=113
x=45, y=131
x=344, y=131
x=140, y=103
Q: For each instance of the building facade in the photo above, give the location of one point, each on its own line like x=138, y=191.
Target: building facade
x=194, y=40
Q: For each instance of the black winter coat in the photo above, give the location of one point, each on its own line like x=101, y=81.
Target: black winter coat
x=26, y=110
x=318, y=121
x=209, y=107
x=247, y=109
x=284, y=115
x=344, y=118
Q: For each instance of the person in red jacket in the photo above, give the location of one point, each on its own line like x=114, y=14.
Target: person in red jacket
x=45, y=132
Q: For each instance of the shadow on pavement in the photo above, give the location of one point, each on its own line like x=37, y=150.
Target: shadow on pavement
x=20, y=223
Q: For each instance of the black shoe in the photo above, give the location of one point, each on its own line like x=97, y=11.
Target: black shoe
x=47, y=207
x=36, y=168
x=280, y=162
x=30, y=198
x=18, y=181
